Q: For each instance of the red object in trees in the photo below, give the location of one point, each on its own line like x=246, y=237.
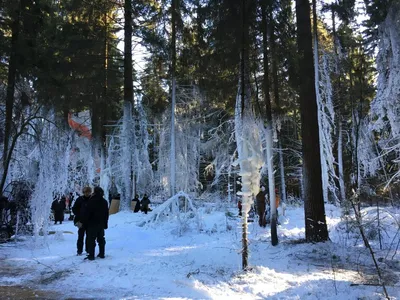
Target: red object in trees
x=82, y=129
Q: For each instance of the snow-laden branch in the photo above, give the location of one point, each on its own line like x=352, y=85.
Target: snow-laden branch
x=326, y=117
x=175, y=208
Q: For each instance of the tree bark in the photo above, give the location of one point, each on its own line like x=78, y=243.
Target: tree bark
x=315, y=221
x=268, y=114
x=278, y=106
x=173, y=96
x=128, y=102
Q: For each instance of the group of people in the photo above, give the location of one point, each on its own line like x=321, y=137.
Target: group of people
x=91, y=218
x=141, y=205
x=263, y=206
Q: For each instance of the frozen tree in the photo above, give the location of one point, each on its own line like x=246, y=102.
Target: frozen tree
x=326, y=121
x=141, y=161
x=326, y=115
x=52, y=156
x=23, y=117
x=187, y=145
x=250, y=156
x=183, y=210
x=136, y=159
x=219, y=146
x=266, y=136
x=55, y=159
x=105, y=173
x=368, y=156
x=385, y=108
x=126, y=138
x=84, y=164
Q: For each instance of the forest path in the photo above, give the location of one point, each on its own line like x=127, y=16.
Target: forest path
x=155, y=261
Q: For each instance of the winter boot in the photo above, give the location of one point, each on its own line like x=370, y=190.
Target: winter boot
x=102, y=250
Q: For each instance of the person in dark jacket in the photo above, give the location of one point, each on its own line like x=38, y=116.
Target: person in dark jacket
x=79, y=210
x=137, y=205
x=58, y=207
x=145, y=203
x=260, y=201
x=239, y=205
x=95, y=220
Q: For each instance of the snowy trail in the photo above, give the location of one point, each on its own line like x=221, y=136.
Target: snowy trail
x=152, y=262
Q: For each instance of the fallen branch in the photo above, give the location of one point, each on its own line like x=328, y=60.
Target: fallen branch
x=367, y=283
x=44, y=265
x=193, y=273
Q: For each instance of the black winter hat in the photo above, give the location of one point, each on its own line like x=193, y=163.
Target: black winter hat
x=99, y=191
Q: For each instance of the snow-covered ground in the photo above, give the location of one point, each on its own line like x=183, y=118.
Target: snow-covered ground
x=153, y=261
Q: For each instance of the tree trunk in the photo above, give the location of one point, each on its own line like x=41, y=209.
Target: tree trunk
x=338, y=113
x=12, y=71
x=244, y=104
x=105, y=113
x=268, y=114
x=278, y=106
x=128, y=101
x=173, y=96
x=322, y=140
x=315, y=221
x=282, y=172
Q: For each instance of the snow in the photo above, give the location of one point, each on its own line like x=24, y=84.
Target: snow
x=154, y=262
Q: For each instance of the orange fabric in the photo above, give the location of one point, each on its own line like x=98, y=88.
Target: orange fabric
x=277, y=200
x=83, y=130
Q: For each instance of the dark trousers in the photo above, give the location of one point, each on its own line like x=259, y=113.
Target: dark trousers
x=58, y=217
x=79, y=243
x=261, y=215
x=95, y=232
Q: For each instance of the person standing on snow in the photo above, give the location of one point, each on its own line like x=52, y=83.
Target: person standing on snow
x=239, y=205
x=260, y=201
x=137, y=205
x=95, y=220
x=145, y=203
x=58, y=207
x=79, y=210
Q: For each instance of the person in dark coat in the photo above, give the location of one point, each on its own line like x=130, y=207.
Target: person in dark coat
x=260, y=201
x=78, y=209
x=95, y=220
x=137, y=205
x=145, y=203
x=58, y=207
x=239, y=205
